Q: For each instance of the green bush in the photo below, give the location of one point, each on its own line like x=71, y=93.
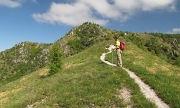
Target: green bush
x=56, y=60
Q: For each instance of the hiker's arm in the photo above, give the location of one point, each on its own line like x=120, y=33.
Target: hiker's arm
x=116, y=47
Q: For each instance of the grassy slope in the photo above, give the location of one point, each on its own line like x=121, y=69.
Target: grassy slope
x=163, y=77
x=85, y=81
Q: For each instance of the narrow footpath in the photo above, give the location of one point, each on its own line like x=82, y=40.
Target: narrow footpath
x=145, y=89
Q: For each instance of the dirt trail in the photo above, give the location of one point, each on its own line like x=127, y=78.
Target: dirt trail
x=145, y=89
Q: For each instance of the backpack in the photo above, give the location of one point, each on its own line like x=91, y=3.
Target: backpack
x=122, y=46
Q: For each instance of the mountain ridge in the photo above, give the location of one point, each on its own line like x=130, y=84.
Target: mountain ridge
x=85, y=81
x=26, y=57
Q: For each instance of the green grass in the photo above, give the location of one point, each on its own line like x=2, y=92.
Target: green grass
x=84, y=82
x=163, y=77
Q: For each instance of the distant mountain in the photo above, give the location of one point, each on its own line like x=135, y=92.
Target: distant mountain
x=26, y=57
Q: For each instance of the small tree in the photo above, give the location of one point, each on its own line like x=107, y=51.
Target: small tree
x=56, y=60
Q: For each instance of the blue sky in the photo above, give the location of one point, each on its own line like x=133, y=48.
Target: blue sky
x=45, y=21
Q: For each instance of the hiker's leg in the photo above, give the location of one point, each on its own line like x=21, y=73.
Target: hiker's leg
x=119, y=61
x=117, y=58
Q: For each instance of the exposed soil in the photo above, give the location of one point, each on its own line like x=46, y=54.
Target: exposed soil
x=125, y=96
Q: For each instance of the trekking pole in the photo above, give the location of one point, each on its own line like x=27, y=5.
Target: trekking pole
x=112, y=56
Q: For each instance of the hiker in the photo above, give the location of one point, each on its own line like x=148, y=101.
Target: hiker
x=117, y=48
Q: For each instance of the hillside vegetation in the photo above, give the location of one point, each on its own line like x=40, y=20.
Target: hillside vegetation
x=84, y=80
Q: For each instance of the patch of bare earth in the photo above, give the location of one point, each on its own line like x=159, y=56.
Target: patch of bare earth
x=3, y=96
x=125, y=96
x=70, y=65
x=43, y=73
x=37, y=103
x=3, y=99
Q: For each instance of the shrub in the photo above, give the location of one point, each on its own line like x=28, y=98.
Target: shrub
x=56, y=60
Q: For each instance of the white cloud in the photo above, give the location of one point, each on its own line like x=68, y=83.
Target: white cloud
x=102, y=7
x=99, y=11
x=149, y=5
x=176, y=30
x=68, y=14
x=10, y=3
